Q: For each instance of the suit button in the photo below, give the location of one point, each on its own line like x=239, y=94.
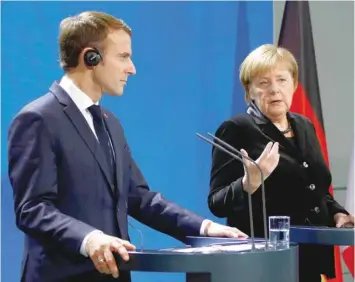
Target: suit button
x=305, y=165
x=316, y=210
x=312, y=187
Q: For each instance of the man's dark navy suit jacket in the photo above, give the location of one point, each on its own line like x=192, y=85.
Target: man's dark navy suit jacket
x=62, y=191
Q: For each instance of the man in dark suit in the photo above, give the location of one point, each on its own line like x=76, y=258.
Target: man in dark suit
x=71, y=169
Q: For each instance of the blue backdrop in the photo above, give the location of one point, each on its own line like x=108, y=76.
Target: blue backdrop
x=187, y=56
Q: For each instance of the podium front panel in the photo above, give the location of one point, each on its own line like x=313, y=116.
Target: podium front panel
x=259, y=265
x=322, y=235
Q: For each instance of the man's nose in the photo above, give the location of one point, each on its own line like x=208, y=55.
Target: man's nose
x=132, y=69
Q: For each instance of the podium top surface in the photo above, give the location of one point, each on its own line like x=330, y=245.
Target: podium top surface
x=298, y=234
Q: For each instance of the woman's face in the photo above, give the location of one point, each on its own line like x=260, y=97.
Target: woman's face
x=273, y=91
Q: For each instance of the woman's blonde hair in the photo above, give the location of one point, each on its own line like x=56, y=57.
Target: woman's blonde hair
x=263, y=59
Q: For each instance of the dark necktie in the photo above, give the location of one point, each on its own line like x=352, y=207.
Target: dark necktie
x=103, y=137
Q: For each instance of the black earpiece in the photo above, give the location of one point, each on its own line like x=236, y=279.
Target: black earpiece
x=92, y=57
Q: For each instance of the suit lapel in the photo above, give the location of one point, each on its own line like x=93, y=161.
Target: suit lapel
x=84, y=130
x=117, y=148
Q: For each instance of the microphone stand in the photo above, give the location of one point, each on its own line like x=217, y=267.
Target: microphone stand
x=239, y=157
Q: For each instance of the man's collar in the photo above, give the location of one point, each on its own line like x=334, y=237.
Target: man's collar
x=81, y=100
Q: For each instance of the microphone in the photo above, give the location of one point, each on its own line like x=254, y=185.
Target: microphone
x=261, y=178
x=252, y=236
x=240, y=157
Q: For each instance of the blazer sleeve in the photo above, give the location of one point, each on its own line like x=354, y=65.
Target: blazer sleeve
x=152, y=209
x=333, y=206
x=226, y=194
x=33, y=175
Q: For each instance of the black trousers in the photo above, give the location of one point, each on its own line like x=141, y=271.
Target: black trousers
x=305, y=276
x=314, y=260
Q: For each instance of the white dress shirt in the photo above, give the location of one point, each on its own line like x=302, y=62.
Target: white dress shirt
x=80, y=99
x=83, y=102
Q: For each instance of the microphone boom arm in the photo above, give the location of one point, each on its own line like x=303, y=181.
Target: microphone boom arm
x=249, y=194
x=239, y=156
x=261, y=177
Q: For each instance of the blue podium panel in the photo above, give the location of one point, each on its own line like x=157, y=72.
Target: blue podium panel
x=216, y=266
x=322, y=235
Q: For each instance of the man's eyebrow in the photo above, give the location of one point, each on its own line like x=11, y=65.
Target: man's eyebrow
x=125, y=54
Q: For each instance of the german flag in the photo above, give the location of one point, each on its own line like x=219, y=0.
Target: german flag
x=296, y=36
x=348, y=251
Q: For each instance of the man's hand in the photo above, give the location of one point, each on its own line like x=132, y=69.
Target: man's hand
x=100, y=246
x=217, y=230
x=343, y=220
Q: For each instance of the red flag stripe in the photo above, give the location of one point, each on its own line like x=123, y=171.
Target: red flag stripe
x=348, y=256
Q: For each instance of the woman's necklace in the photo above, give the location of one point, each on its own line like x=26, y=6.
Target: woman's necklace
x=287, y=130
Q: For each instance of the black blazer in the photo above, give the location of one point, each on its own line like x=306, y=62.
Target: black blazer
x=298, y=187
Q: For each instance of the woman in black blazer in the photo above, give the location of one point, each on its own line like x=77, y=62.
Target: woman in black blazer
x=285, y=145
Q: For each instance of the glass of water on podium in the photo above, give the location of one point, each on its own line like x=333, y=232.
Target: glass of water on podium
x=279, y=232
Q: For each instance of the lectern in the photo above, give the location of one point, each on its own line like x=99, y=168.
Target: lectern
x=218, y=264
x=298, y=234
